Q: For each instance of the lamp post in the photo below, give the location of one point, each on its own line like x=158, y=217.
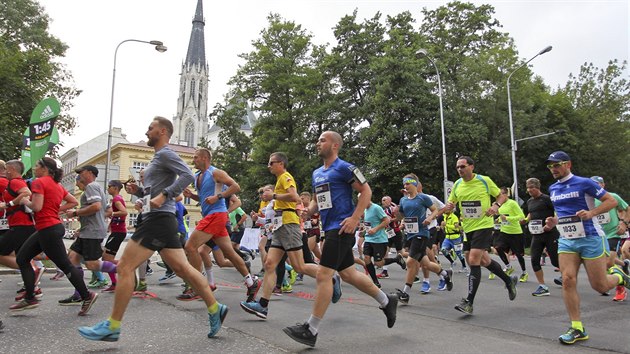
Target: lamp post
x=512, y=141
x=159, y=46
x=423, y=52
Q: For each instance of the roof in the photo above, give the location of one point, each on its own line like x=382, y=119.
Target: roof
x=196, y=46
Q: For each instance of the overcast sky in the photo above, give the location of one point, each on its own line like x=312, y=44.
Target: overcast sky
x=147, y=82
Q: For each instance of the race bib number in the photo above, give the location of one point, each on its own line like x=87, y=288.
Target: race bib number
x=458, y=247
x=146, y=200
x=496, y=227
x=390, y=233
x=571, y=227
x=472, y=209
x=411, y=225
x=603, y=218
x=535, y=227
x=307, y=225
x=324, y=199
x=4, y=224
x=505, y=222
x=277, y=220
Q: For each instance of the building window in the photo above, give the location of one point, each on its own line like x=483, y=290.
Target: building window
x=137, y=165
x=187, y=200
x=192, y=89
x=189, y=134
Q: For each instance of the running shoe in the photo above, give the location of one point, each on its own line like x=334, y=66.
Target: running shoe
x=276, y=291
x=109, y=289
x=541, y=291
x=213, y=287
x=449, y=279
x=416, y=280
x=25, y=304
x=558, y=280
x=465, y=307
x=22, y=294
x=254, y=308
x=98, y=284
x=509, y=271
x=287, y=288
x=167, y=276
x=390, y=309
x=401, y=262
x=573, y=335
x=620, y=293
x=292, y=276
x=464, y=270
x=57, y=275
x=403, y=297
x=491, y=276
x=524, y=277
x=253, y=290
x=383, y=275
x=93, y=283
x=216, y=320
x=426, y=287
x=442, y=285
x=70, y=301
x=87, y=303
x=188, y=295
x=624, y=276
x=512, y=287
x=261, y=274
x=149, y=271
x=336, y=289
x=101, y=331
x=301, y=334
x=141, y=286
x=161, y=264
x=300, y=278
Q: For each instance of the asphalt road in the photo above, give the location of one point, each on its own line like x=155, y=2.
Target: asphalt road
x=428, y=324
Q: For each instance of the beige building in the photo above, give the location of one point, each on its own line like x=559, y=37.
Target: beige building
x=130, y=158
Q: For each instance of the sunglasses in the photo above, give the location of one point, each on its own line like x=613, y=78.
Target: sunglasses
x=461, y=167
x=272, y=162
x=557, y=164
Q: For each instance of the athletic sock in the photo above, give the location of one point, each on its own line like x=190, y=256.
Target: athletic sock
x=210, y=275
x=407, y=287
x=39, y=264
x=212, y=309
x=381, y=298
x=112, y=276
x=263, y=302
x=108, y=267
x=99, y=275
x=495, y=268
x=372, y=271
x=577, y=325
x=313, y=324
x=288, y=267
x=447, y=255
x=473, y=282
x=248, y=280
x=113, y=324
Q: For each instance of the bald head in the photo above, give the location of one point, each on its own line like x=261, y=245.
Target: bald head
x=334, y=137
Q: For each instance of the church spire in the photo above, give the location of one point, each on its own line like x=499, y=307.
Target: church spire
x=196, y=46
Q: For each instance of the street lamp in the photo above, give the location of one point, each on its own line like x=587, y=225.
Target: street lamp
x=159, y=46
x=423, y=52
x=512, y=141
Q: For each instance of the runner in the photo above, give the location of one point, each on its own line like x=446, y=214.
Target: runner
x=581, y=239
x=511, y=238
x=117, y=226
x=333, y=184
x=165, y=178
x=472, y=192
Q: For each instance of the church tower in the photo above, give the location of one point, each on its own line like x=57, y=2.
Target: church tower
x=191, y=121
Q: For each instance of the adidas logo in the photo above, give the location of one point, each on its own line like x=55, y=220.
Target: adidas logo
x=47, y=113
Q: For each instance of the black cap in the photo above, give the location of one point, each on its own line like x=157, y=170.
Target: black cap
x=90, y=168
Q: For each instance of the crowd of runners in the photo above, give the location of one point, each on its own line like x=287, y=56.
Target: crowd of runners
x=312, y=233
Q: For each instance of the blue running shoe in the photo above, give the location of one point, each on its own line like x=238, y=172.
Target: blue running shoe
x=216, y=320
x=336, y=289
x=100, y=331
x=573, y=335
x=254, y=308
x=442, y=285
x=426, y=287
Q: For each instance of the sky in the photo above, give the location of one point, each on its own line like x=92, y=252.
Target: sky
x=147, y=82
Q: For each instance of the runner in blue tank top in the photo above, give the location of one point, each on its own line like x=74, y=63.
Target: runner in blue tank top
x=580, y=240
x=333, y=184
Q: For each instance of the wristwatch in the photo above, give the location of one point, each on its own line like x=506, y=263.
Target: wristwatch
x=220, y=195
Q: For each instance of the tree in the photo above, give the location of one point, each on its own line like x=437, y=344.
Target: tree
x=29, y=72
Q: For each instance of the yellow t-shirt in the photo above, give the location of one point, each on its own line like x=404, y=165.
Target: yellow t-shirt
x=473, y=198
x=284, y=182
x=263, y=204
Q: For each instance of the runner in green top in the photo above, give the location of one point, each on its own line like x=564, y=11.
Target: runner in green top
x=511, y=234
x=614, y=229
x=472, y=193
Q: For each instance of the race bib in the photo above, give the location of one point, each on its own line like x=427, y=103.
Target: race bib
x=505, y=222
x=277, y=220
x=472, y=209
x=411, y=225
x=603, y=218
x=146, y=200
x=458, y=247
x=308, y=225
x=324, y=199
x=535, y=227
x=4, y=224
x=390, y=233
x=571, y=227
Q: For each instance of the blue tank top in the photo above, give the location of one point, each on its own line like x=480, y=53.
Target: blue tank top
x=205, y=187
x=575, y=194
x=333, y=193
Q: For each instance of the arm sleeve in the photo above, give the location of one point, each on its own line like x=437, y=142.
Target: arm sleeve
x=182, y=170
